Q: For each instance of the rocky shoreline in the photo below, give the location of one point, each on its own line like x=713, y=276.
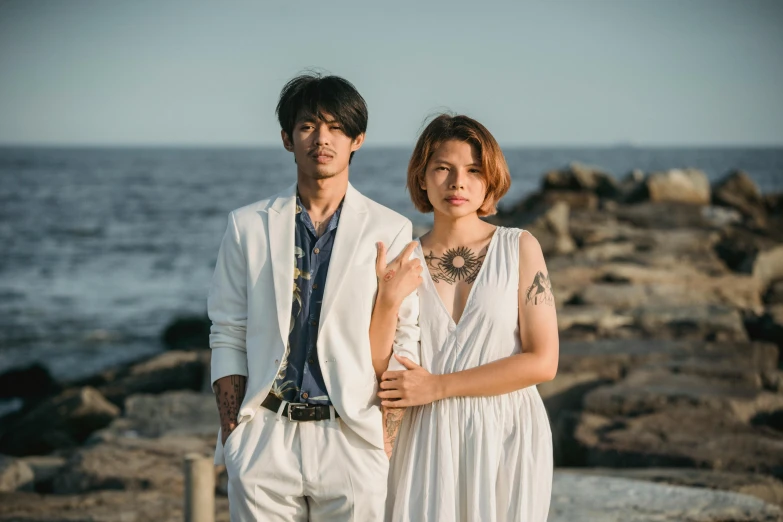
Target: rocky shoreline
x=668, y=404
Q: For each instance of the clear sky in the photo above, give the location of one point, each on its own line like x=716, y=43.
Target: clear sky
x=584, y=72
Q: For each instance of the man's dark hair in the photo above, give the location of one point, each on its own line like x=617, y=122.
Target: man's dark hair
x=311, y=95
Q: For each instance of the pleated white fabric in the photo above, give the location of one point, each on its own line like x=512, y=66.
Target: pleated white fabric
x=479, y=459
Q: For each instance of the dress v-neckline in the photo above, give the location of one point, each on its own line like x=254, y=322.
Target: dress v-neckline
x=490, y=248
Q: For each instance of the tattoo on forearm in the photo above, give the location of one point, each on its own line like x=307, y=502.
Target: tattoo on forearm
x=229, y=394
x=540, y=292
x=456, y=264
x=392, y=420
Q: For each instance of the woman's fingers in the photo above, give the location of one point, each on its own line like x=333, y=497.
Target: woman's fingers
x=389, y=385
x=405, y=254
x=392, y=375
x=380, y=259
x=390, y=394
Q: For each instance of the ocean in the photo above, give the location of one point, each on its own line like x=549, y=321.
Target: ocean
x=102, y=248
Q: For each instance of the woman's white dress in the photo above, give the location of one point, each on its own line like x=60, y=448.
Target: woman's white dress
x=479, y=459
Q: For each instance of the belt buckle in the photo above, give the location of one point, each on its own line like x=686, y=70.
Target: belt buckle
x=291, y=408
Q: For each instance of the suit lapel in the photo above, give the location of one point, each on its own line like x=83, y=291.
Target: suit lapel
x=349, y=231
x=281, y=246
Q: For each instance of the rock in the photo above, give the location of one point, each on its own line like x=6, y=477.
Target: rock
x=548, y=225
x=654, y=389
x=680, y=185
x=774, y=203
x=762, y=487
x=666, y=215
x=612, y=359
x=774, y=293
x=577, y=497
x=187, y=333
x=768, y=266
x=130, y=464
x=736, y=291
x=31, y=382
x=63, y=421
x=749, y=253
x=720, y=217
x=15, y=475
x=45, y=468
x=673, y=438
x=739, y=191
x=100, y=506
x=177, y=413
x=174, y=370
x=597, y=319
x=767, y=326
x=579, y=177
x=711, y=322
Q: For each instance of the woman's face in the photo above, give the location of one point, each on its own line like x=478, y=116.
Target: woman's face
x=454, y=179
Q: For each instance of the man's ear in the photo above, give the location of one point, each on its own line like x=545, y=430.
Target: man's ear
x=357, y=143
x=288, y=143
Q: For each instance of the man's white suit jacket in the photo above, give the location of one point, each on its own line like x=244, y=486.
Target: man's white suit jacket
x=251, y=295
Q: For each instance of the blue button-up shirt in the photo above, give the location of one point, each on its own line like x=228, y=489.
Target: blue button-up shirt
x=300, y=378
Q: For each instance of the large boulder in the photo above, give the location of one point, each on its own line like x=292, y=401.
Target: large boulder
x=707, y=322
x=176, y=413
x=174, y=370
x=612, y=359
x=64, y=421
x=15, y=474
x=31, y=382
x=130, y=464
x=679, y=185
x=583, y=178
x=746, y=252
x=187, y=333
x=672, y=438
x=659, y=388
x=737, y=190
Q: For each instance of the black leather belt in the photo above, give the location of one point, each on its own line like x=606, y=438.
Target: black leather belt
x=298, y=412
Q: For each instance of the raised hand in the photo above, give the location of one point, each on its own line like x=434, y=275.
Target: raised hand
x=398, y=279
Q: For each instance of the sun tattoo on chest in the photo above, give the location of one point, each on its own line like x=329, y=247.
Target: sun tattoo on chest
x=456, y=264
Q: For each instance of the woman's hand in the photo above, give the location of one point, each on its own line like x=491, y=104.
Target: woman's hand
x=412, y=387
x=398, y=279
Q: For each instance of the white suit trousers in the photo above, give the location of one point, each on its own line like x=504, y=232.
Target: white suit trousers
x=281, y=470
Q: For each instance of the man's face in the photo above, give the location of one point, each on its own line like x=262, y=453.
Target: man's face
x=321, y=149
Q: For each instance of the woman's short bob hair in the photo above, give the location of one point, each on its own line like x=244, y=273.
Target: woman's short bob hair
x=446, y=127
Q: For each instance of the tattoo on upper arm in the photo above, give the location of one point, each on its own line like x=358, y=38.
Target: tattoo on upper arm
x=540, y=292
x=456, y=264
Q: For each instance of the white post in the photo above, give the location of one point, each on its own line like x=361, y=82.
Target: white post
x=199, y=488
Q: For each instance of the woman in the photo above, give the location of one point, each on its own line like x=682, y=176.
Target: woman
x=475, y=443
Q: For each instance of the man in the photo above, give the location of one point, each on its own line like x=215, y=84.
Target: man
x=290, y=303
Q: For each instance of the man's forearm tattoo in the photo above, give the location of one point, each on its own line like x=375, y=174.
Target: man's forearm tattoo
x=540, y=292
x=229, y=394
x=456, y=264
